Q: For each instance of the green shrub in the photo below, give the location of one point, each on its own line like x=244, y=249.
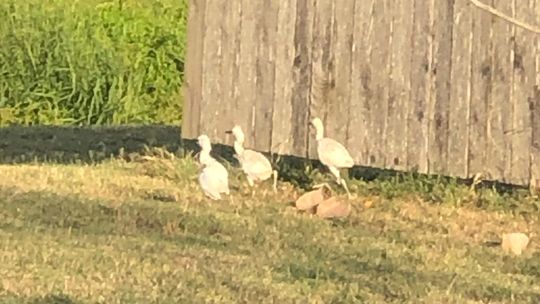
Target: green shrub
x=91, y=62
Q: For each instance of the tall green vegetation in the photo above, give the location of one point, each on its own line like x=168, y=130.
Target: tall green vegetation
x=91, y=62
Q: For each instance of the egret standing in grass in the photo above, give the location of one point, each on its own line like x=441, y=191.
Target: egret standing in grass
x=214, y=178
x=332, y=154
x=254, y=164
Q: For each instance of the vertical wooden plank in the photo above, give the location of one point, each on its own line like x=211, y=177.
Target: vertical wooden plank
x=480, y=91
x=499, y=148
x=440, y=83
x=522, y=89
x=265, y=69
x=338, y=103
x=460, y=90
x=322, y=91
x=285, y=57
x=231, y=29
x=212, y=93
x=358, y=113
x=301, y=77
x=193, y=70
x=535, y=112
x=247, y=76
x=535, y=130
x=400, y=84
x=380, y=69
x=421, y=63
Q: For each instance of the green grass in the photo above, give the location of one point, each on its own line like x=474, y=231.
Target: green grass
x=91, y=62
x=141, y=232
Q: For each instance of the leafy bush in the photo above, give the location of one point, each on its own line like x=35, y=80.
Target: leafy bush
x=91, y=62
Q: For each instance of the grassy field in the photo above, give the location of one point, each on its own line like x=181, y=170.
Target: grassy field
x=140, y=231
x=95, y=62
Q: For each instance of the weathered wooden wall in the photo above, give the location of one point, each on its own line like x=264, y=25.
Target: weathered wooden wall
x=436, y=86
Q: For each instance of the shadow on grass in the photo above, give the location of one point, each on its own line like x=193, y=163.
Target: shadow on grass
x=53, y=299
x=48, y=299
x=45, y=211
x=396, y=280
x=65, y=144
x=59, y=144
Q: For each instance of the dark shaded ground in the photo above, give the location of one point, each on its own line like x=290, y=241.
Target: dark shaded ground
x=62, y=144
x=19, y=144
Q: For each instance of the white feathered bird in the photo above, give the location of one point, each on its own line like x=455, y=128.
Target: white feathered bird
x=214, y=178
x=332, y=153
x=254, y=164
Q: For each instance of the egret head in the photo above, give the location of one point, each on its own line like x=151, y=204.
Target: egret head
x=319, y=129
x=204, y=142
x=238, y=139
x=238, y=133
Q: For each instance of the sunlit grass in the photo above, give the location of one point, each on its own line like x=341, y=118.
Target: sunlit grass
x=140, y=231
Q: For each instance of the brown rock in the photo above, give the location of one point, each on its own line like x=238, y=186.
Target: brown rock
x=514, y=242
x=333, y=208
x=309, y=200
x=368, y=203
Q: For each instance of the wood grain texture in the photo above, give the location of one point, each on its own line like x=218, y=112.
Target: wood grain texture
x=399, y=84
x=212, y=93
x=499, y=121
x=439, y=102
x=193, y=85
x=377, y=101
x=247, y=76
x=230, y=40
x=301, y=90
x=534, y=102
x=522, y=89
x=282, y=129
x=358, y=113
x=535, y=113
x=265, y=69
x=323, y=85
x=340, y=65
x=421, y=65
x=460, y=90
x=480, y=92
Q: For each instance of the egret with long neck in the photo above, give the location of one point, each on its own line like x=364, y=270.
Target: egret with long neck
x=331, y=153
x=214, y=178
x=254, y=164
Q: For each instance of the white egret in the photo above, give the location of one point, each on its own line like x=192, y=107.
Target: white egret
x=254, y=164
x=332, y=154
x=214, y=178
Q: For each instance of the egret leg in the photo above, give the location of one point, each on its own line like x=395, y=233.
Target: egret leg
x=275, y=174
x=335, y=172
x=251, y=184
x=346, y=188
x=250, y=181
x=214, y=196
x=340, y=181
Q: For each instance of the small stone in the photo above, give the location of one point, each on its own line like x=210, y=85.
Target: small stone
x=368, y=203
x=309, y=200
x=514, y=242
x=333, y=208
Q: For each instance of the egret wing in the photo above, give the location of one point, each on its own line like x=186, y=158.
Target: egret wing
x=214, y=180
x=256, y=164
x=333, y=153
x=208, y=184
